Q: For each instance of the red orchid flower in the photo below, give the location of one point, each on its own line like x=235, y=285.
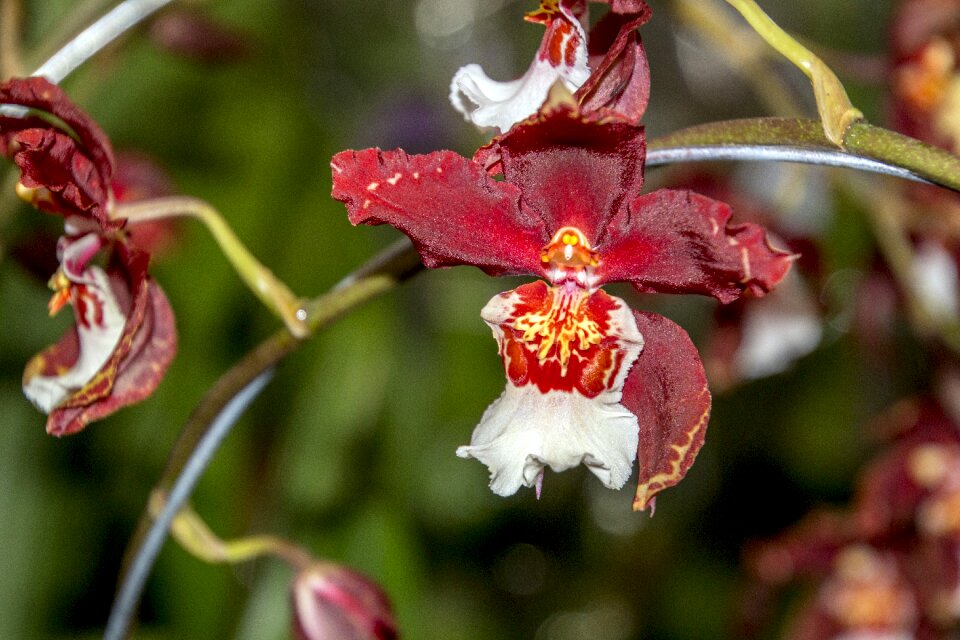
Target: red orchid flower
x=606, y=70
x=124, y=337
x=588, y=380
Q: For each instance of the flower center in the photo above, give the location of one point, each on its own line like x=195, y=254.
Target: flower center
x=569, y=257
x=563, y=338
x=560, y=326
x=89, y=308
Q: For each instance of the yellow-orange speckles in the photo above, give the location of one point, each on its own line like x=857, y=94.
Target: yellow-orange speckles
x=679, y=463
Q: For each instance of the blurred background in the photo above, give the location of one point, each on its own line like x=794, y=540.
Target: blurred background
x=350, y=450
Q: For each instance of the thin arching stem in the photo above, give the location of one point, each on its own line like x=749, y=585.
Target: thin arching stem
x=271, y=291
x=131, y=589
x=382, y=273
x=98, y=35
x=837, y=113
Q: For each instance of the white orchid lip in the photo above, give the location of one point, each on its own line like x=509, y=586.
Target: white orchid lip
x=566, y=354
x=562, y=56
x=99, y=324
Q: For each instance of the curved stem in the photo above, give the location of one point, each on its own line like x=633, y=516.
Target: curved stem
x=91, y=40
x=837, y=113
x=193, y=534
x=131, y=589
x=866, y=148
x=382, y=273
x=265, y=285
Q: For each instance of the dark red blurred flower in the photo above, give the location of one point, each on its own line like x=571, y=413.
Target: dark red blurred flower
x=332, y=602
x=588, y=380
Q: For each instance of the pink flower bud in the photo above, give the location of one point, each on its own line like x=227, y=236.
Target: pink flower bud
x=332, y=602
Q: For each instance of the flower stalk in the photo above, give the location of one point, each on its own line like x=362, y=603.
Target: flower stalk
x=380, y=274
x=271, y=291
x=866, y=147
x=837, y=113
x=193, y=534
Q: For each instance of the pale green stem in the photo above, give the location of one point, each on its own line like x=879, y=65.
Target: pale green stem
x=264, y=284
x=835, y=109
x=11, y=14
x=193, y=534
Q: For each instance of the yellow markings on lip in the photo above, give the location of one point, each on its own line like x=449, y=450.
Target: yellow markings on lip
x=548, y=9
x=560, y=328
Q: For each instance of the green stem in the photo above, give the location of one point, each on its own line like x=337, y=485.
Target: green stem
x=836, y=111
x=264, y=284
x=193, y=534
x=860, y=141
x=385, y=271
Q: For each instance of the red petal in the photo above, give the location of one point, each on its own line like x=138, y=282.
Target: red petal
x=626, y=6
x=620, y=81
x=140, y=359
x=680, y=242
x=52, y=160
x=573, y=170
x=145, y=353
x=78, y=171
x=454, y=213
x=667, y=390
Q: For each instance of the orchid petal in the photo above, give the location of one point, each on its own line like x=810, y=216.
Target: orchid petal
x=100, y=323
x=572, y=169
x=454, y=213
x=562, y=56
x=667, y=391
x=680, y=242
x=117, y=353
x=620, y=80
x=136, y=374
x=63, y=174
x=558, y=411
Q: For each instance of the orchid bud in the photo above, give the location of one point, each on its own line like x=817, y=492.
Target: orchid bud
x=332, y=602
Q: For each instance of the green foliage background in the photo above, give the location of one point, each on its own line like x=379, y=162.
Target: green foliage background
x=350, y=449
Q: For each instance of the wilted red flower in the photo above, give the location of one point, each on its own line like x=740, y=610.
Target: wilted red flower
x=124, y=337
x=606, y=70
x=588, y=380
x=332, y=602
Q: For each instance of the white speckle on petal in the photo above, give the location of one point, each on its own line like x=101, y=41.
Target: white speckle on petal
x=373, y=186
x=395, y=179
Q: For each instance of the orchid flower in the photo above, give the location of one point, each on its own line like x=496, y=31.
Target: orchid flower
x=607, y=69
x=124, y=337
x=588, y=380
